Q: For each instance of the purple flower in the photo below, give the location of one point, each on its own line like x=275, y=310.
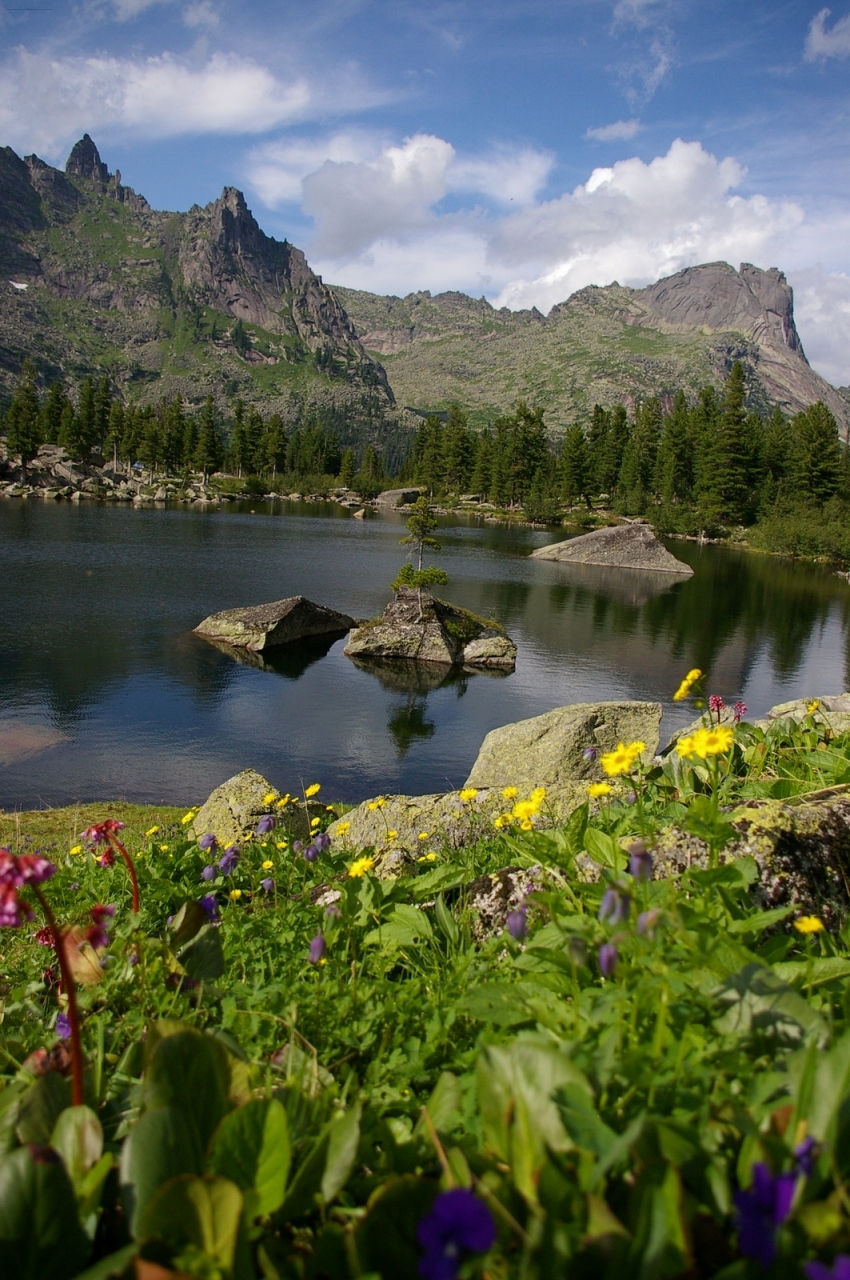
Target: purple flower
x=647, y=920
x=297, y=846
x=840, y=1269
x=210, y=906
x=739, y=711
x=614, y=907
x=590, y=753
x=318, y=947
x=63, y=1026
x=75, y=885
x=762, y=1209
x=640, y=861
x=333, y=912
x=311, y=853
x=98, y=931
x=229, y=860
x=607, y=957
x=631, y=797
x=208, y=842
x=805, y=1155
x=716, y=703
x=458, y=1224
x=322, y=841
x=267, y=885
x=265, y=825
x=208, y=873
x=517, y=924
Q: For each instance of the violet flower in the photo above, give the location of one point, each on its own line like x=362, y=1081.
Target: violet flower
x=608, y=957
x=311, y=853
x=641, y=861
x=98, y=932
x=647, y=920
x=322, y=841
x=517, y=923
x=229, y=860
x=457, y=1225
x=318, y=947
x=265, y=825
x=840, y=1269
x=590, y=753
x=208, y=843
x=63, y=1026
x=208, y=873
x=615, y=905
x=761, y=1210
x=267, y=885
x=210, y=906
x=805, y=1155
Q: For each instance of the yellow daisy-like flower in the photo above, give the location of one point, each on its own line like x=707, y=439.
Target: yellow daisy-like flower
x=597, y=789
x=152, y=831
x=687, y=684
x=284, y=800
x=809, y=924
x=510, y=793
x=706, y=742
x=235, y=895
x=78, y=848
x=342, y=828
x=468, y=793
x=524, y=809
x=813, y=706
x=267, y=865
x=188, y=817
x=281, y=844
x=526, y=825
x=361, y=867
x=392, y=835
x=430, y=857
x=313, y=789
x=538, y=795
x=163, y=848
x=268, y=797
x=622, y=759
x=376, y=804
x=503, y=820
x=423, y=835
x=314, y=822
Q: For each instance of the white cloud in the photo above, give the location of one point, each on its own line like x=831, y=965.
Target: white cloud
x=276, y=170
x=508, y=177
x=620, y=130
x=821, y=43
x=822, y=311
x=200, y=14
x=127, y=10
x=46, y=103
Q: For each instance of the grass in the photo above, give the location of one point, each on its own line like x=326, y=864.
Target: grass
x=56, y=831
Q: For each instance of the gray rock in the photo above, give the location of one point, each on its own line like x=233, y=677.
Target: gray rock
x=264, y=626
x=161, y=494
x=833, y=708
x=548, y=750
x=441, y=633
x=232, y=811
x=493, y=897
x=624, y=546
x=396, y=497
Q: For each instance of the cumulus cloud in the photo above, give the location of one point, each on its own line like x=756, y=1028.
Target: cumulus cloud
x=200, y=14
x=821, y=43
x=619, y=131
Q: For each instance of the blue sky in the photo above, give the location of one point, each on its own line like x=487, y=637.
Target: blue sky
x=518, y=149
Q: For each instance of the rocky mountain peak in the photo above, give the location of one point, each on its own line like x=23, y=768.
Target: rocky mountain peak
x=85, y=162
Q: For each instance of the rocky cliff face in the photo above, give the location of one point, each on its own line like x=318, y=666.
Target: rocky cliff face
x=93, y=278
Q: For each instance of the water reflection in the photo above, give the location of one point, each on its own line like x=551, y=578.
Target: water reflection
x=287, y=660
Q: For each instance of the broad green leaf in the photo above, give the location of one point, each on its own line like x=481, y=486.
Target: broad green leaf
x=582, y=1121
x=190, y=1072
x=203, y=956
x=40, y=1234
x=342, y=1152
x=187, y=923
x=405, y=927
x=446, y=921
x=10, y=1102
x=704, y=821
x=604, y=849
x=760, y=920
x=203, y=1212
x=660, y=1248
x=78, y=1137
x=115, y=1265
x=41, y=1106
x=160, y=1146
x=756, y=999
x=307, y=1183
x=445, y=1105
x=812, y=973
x=251, y=1147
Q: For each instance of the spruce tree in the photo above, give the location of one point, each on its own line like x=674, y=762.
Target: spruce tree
x=573, y=467
x=22, y=422
x=815, y=463
x=51, y=413
x=208, y=452
x=726, y=492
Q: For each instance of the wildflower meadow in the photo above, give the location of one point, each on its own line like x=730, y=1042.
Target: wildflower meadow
x=263, y=1062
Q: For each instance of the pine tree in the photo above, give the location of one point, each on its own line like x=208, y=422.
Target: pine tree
x=83, y=437
x=421, y=525
x=102, y=406
x=674, y=467
x=573, y=471
x=22, y=422
x=725, y=480
x=208, y=452
x=115, y=433
x=814, y=462
x=51, y=413
x=346, y=470
x=274, y=444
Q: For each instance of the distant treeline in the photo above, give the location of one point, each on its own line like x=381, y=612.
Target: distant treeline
x=706, y=464
x=173, y=437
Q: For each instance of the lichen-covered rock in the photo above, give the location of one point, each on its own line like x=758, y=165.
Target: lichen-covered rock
x=801, y=848
x=492, y=898
x=432, y=631
x=232, y=811
x=549, y=750
x=833, y=709
x=396, y=497
x=266, y=626
x=623, y=546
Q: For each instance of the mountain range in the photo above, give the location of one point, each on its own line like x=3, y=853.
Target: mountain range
x=93, y=280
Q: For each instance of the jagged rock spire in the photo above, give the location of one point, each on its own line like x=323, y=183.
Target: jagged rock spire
x=85, y=162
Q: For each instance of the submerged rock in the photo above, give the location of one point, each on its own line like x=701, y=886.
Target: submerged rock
x=561, y=746
x=439, y=632
x=264, y=626
x=624, y=546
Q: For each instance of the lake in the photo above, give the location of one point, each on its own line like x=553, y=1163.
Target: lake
x=105, y=693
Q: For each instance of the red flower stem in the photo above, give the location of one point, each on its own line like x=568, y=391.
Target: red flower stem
x=71, y=993
x=116, y=843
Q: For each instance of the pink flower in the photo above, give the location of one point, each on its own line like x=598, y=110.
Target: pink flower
x=739, y=711
x=98, y=934
x=101, y=831
x=716, y=703
x=26, y=868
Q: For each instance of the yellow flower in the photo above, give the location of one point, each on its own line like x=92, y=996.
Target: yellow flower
x=78, y=848
x=468, y=793
x=813, y=706
x=706, y=742
x=538, y=795
x=268, y=797
x=152, y=831
x=503, y=820
x=267, y=865
x=361, y=867
x=687, y=684
x=376, y=804
x=524, y=809
x=392, y=835
x=599, y=789
x=313, y=789
x=284, y=800
x=526, y=825
x=281, y=844
x=693, y=675
x=622, y=759
x=510, y=793
x=342, y=828
x=809, y=924
x=430, y=857
x=314, y=822
x=188, y=817
x=164, y=848
x=235, y=895
x=423, y=835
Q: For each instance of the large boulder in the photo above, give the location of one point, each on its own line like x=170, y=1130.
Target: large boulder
x=833, y=708
x=396, y=497
x=561, y=746
x=232, y=811
x=624, y=546
x=437, y=632
x=265, y=626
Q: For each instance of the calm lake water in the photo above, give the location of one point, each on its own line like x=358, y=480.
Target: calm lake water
x=105, y=693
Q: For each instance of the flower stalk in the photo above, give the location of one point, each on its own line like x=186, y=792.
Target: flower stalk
x=77, y=1074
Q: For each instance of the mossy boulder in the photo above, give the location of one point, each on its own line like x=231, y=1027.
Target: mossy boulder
x=232, y=811
x=431, y=630
x=267, y=626
x=621, y=546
